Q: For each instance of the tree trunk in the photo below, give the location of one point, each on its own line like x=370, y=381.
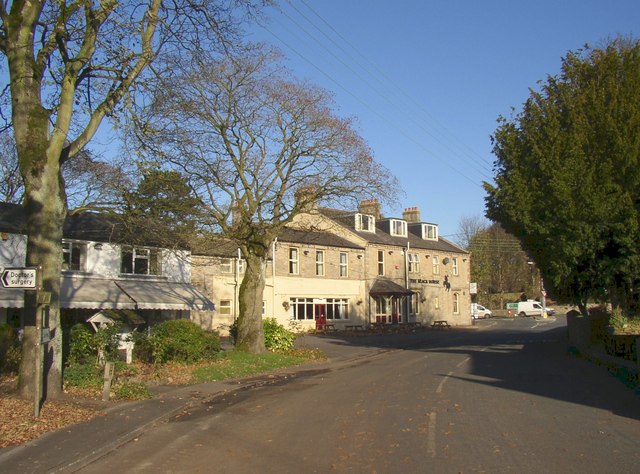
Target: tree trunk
x=46, y=212
x=250, y=334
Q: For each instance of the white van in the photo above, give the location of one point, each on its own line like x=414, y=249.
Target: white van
x=530, y=308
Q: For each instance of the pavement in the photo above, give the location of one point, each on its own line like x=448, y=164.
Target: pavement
x=74, y=447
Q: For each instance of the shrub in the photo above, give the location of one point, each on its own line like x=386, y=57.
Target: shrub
x=10, y=350
x=181, y=340
x=131, y=391
x=276, y=336
x=83, y=376
x=82, y=345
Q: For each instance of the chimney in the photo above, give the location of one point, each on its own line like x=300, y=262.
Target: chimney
x=411, y=215
x=371, y=207
x=306, y=198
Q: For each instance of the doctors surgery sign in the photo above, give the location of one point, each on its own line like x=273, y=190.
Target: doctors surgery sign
x=25, y=278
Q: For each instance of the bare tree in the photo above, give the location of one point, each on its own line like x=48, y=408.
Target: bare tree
x=71, y=64
x=11, y=189
x=469, y=227
x=250, y=138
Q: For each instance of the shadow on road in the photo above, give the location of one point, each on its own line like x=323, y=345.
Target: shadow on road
x=519, y=356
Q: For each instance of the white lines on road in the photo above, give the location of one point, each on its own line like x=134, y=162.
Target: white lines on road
x=461, y=363
x=439, y=389
x=431, y=435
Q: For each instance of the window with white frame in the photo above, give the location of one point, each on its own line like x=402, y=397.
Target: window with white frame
x=140, y=261
x=226, y=265
x=264, y=308
x=430, y=231
x=381, y=262
x=398, y=228
x=319, y=262
x=74, y=255
x=456, y=303
x=344, y=264
x=414, y=263
x=294, y=260
x=436, y=302
x=455, y=269
x=301, y=308
x=414, y=303
x=224, y=307
x=337, y=308
x=436, y=265
x=365, y=223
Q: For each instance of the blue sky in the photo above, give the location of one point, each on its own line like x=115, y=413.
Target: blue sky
x=426, y=80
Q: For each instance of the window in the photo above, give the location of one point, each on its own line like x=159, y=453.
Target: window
x=293, y=260
x=74, y=256
x=381, y=305
x=436, y=302
x=454, y=266
x=301, y=308
x=456, y=303
x=414, y=303
x=398, y=228
x=320, y=262
x=337, y=308
x=264, y=308
x=224, y=307
x=344, y=264
x=140, y=261
x=436, y=265
x=365, y=223
x=226, y=265
x=430, y=231
x=414, y=263
x=380, y=262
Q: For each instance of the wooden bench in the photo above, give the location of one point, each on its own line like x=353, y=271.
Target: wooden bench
x=442, y=324
x=327, y=327
x=354, y=327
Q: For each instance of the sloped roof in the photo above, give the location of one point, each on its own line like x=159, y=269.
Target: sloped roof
x=382, y=237
x=385, y=287
x=219, y=247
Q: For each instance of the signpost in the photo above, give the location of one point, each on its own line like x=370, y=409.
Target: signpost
x=25, y=278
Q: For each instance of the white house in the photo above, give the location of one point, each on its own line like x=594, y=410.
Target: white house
x=100, y=272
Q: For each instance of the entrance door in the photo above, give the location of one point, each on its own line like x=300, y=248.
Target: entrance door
x=320, y=315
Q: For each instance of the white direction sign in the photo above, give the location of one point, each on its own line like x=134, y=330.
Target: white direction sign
x=19, y=278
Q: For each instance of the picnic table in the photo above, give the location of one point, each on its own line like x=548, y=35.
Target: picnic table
x=440, y=324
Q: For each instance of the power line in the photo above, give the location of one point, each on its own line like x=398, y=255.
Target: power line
x=400, y=128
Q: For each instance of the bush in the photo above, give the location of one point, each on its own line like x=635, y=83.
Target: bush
x=10, y=350
x=276, y=336
x=82, y=345
x=181, y=340
x=83, y=376
x=131, y=391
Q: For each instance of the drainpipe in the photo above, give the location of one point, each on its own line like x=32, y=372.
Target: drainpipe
x=273, y=277
x=406, y=278
x=236, y=291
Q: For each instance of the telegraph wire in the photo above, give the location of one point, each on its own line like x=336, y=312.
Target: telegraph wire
x=365, y=104
x=408, y=99
x=350, y=93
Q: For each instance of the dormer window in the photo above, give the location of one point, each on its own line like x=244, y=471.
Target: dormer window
x=429, y=231
x=398, y=228
x=365, y=223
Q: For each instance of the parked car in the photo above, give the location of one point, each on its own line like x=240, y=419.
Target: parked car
x=480, y=312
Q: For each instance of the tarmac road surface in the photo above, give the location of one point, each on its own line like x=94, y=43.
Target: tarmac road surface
x=502, y=396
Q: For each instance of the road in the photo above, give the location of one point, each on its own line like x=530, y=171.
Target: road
x=501, y=397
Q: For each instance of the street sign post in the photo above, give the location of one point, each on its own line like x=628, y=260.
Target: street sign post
x=25, y=278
